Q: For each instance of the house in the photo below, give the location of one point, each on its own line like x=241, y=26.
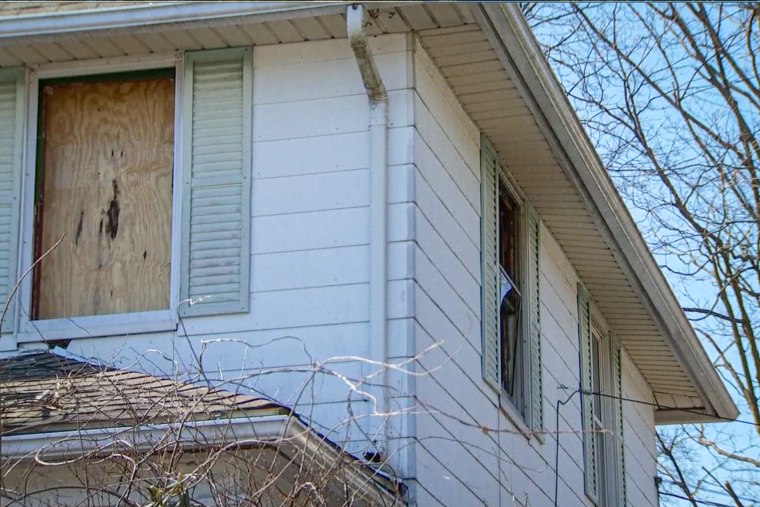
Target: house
x=386, y=217
x=178, y=439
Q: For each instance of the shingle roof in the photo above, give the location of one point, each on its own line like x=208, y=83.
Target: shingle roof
x=44, y=391
x=30, y=8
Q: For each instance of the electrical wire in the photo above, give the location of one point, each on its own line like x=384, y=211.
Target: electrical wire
x=556, y=438
x=703, y=502
x=629, y=400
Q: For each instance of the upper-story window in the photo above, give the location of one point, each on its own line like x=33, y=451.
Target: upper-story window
x=510, y=293
x=104, y=184
x=146, y=176
x=510, y=296
x=601, y=407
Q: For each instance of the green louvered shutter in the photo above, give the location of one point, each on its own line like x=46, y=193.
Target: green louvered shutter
x=489, y=262
x=589, y=442
x=619, y=442
x=12, y=100
x=534, y=322
x=216, y=215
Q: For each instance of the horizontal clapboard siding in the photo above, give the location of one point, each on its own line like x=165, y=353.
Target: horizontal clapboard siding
x=216, y=214
x=448, y=173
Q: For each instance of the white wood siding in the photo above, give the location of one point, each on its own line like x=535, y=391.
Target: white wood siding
x=310, y=240
x=309, y=285
x=467, y=451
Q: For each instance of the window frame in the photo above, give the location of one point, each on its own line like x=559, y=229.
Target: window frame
x=519, y=401
x=610, y=486
x=95, y=325
x=604, y=456
x=525, y=411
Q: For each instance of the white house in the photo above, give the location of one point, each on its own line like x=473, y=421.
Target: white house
x=385, y=216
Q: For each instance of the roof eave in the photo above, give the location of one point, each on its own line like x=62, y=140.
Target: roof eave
x=560, y=124
x=242, y=431
x=150, y=16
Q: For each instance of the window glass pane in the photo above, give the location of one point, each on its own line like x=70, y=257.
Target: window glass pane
x=508, y=234
x=595, y=378
x=510, y=296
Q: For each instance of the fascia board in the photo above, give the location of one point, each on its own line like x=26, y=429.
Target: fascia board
x=555, y=116
x=64, y=444
x=150, y=14
x=236, y=431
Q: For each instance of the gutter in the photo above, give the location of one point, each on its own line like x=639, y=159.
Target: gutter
x=579, y=160
x=148, y=16
x=65, y=444
x=283, y=432
x=378, y=127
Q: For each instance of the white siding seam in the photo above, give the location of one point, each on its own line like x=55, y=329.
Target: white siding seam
x=320, y=173
x=421, y=443
x=319, y=210
x=437, y=305
x=449, y=98
x=573, y=369
x=474, y=382
x=437, y=243
x=473, y=311
x=446, y=173
x=474, y=241
x=463, y=264
x=425, y=138
x=420, y=485
x=494, y=406
x=569, y=310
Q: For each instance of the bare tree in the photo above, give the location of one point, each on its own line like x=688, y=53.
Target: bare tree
x=116, y=437
x=670, y=96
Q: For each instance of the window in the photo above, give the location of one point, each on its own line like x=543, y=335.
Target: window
x=510, y=293
x=104, y=184
x=601, y=408
x=510, y=297
x=145, y=173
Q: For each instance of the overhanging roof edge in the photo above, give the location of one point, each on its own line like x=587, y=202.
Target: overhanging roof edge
x=562, y=123
x=22, y=28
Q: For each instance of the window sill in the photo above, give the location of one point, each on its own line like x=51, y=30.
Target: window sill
x=517, y=419
x=97, y=326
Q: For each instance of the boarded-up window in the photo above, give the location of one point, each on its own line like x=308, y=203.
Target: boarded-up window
x=105, y=181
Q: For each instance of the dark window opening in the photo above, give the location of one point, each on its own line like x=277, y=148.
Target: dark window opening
x=510, y=295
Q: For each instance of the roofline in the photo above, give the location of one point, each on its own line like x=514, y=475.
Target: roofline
x=195, y=435
x=149, y=14
x=64, y=443
x=579, y=160
x=513, y=40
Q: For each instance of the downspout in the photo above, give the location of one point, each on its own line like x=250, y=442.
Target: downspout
x=378, y=129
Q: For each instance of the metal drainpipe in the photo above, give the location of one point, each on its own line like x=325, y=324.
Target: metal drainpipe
x=378, y=106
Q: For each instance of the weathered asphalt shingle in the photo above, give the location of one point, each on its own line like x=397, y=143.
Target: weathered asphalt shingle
x=46, y=392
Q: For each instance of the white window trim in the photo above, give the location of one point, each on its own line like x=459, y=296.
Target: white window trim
x=512, y=410
x=519, y=416
x=98, y=325
x=599, y=327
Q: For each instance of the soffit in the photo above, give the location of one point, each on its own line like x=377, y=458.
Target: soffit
x=253, y=29
x=453, y=35
x=474, y=71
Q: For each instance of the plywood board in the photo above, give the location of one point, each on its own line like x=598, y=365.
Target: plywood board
x=107, y=185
